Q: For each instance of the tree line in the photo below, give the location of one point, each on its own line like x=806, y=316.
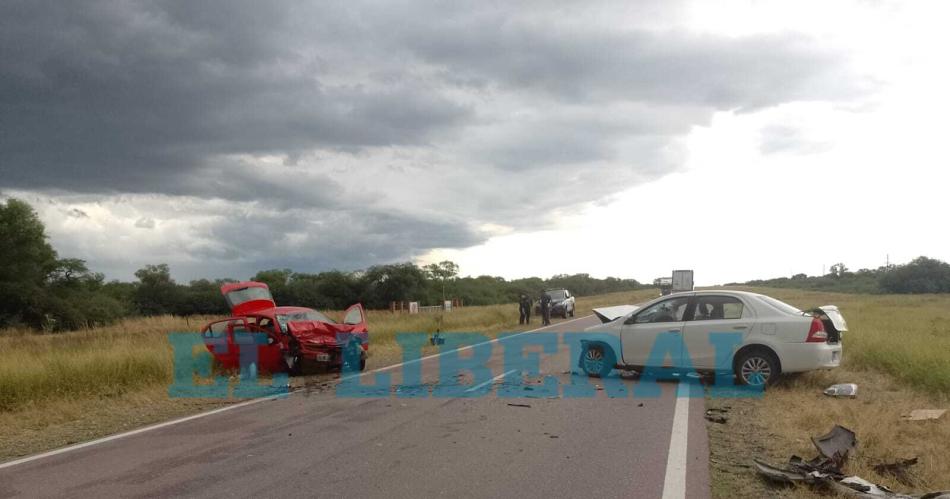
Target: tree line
x=41, y=290
x=920, y=275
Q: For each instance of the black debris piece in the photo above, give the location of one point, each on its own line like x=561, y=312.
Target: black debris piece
x=520, y=405
x=836, y=444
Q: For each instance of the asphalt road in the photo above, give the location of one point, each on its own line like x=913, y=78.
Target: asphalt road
x=317, y=444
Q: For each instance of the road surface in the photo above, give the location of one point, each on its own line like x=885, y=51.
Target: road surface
x=316, y=444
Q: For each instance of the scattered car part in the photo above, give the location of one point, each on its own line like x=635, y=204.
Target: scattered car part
x=836, y=444
x=924, y=414
x=842, y=390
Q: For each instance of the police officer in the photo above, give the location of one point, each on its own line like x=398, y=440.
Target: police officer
x=524, y=308
x=546, y=309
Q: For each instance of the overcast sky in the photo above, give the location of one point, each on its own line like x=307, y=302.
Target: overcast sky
x=741, y=139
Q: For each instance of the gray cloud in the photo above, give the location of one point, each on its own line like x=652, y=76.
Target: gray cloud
x=403, y=126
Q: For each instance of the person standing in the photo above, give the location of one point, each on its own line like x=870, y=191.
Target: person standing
x=546, y=309
x=524, y=308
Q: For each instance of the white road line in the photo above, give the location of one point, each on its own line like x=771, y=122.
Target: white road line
x=129, y=433
x=496, y=378
x=674, y=486
x=200, y=415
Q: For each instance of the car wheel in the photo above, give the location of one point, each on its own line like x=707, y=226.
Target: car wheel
x=757, y=367
x=597, y=361
x=564, y=313
x=572, y=311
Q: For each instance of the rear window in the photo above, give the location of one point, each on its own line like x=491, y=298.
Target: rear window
x=780, y=305
x=239, y=296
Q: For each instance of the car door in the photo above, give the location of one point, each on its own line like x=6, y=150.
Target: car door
x=640, y=332
x=712, y=315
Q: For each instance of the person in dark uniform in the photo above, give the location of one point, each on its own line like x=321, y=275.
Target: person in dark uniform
x=546, y=309
x=524, y=308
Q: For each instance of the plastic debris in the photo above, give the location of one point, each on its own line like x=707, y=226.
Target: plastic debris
x=842, y=390
x=520, y=405
x=924, y=414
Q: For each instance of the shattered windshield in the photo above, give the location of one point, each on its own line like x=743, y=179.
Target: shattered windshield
x=304, y=315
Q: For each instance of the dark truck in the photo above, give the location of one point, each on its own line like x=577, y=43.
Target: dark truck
x=562, y=303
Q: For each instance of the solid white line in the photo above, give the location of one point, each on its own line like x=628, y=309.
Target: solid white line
x=117, y=436
x=674, y=486
x=130, y=433
x=496, y=378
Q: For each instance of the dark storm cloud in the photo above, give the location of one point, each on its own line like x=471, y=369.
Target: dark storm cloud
x=105, y=97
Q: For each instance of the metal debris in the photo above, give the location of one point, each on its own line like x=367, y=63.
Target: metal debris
x=836, y=444
x=842, y=390
x=825, y=470
x=923, y=414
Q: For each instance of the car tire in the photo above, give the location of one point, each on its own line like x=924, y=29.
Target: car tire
x=564, y=313
x=572, y=311
x=756, y=367
x=597, y=360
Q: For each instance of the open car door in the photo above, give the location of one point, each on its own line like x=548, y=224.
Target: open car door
x=247, y=297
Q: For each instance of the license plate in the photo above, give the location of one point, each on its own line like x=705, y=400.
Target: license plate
x=323, y=357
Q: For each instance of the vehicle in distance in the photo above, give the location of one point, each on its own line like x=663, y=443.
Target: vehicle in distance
x=775, y=336
x=562, y=303
x=291, y=336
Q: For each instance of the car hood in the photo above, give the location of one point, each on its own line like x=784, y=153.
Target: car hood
x=609, y=314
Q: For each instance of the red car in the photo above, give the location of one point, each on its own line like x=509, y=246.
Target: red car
x=294, y=335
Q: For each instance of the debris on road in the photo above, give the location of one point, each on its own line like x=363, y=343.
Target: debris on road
x=519, y=405
x=899, y=469
x=842, y=390
x=923, y=414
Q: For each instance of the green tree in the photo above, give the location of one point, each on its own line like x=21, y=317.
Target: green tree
x=922, y=275
x=26, y=260
x=156, y=292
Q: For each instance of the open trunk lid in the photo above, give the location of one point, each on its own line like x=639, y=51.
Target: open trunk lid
x=834, y=315
x=247, y=297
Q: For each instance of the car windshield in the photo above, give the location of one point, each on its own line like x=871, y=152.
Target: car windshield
x=780, y=305
x=303, y=315
x=557, y=295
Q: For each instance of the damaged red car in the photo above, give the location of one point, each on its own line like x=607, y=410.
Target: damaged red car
x=292, y=336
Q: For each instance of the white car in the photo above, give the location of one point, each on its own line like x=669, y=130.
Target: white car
x=767, y=336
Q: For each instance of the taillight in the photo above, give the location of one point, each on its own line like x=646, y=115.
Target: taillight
x=816, y=334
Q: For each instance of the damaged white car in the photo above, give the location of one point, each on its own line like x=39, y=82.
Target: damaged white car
x=768, y=337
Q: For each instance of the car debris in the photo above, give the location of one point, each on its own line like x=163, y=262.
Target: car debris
x=717, y=414
x=842, y=390
x=520, y=405
x=836, y=444
x=899, y=469
x=825, y=470
x=923, y=414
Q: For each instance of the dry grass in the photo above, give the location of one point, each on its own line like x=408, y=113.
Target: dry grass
x=897, y=352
